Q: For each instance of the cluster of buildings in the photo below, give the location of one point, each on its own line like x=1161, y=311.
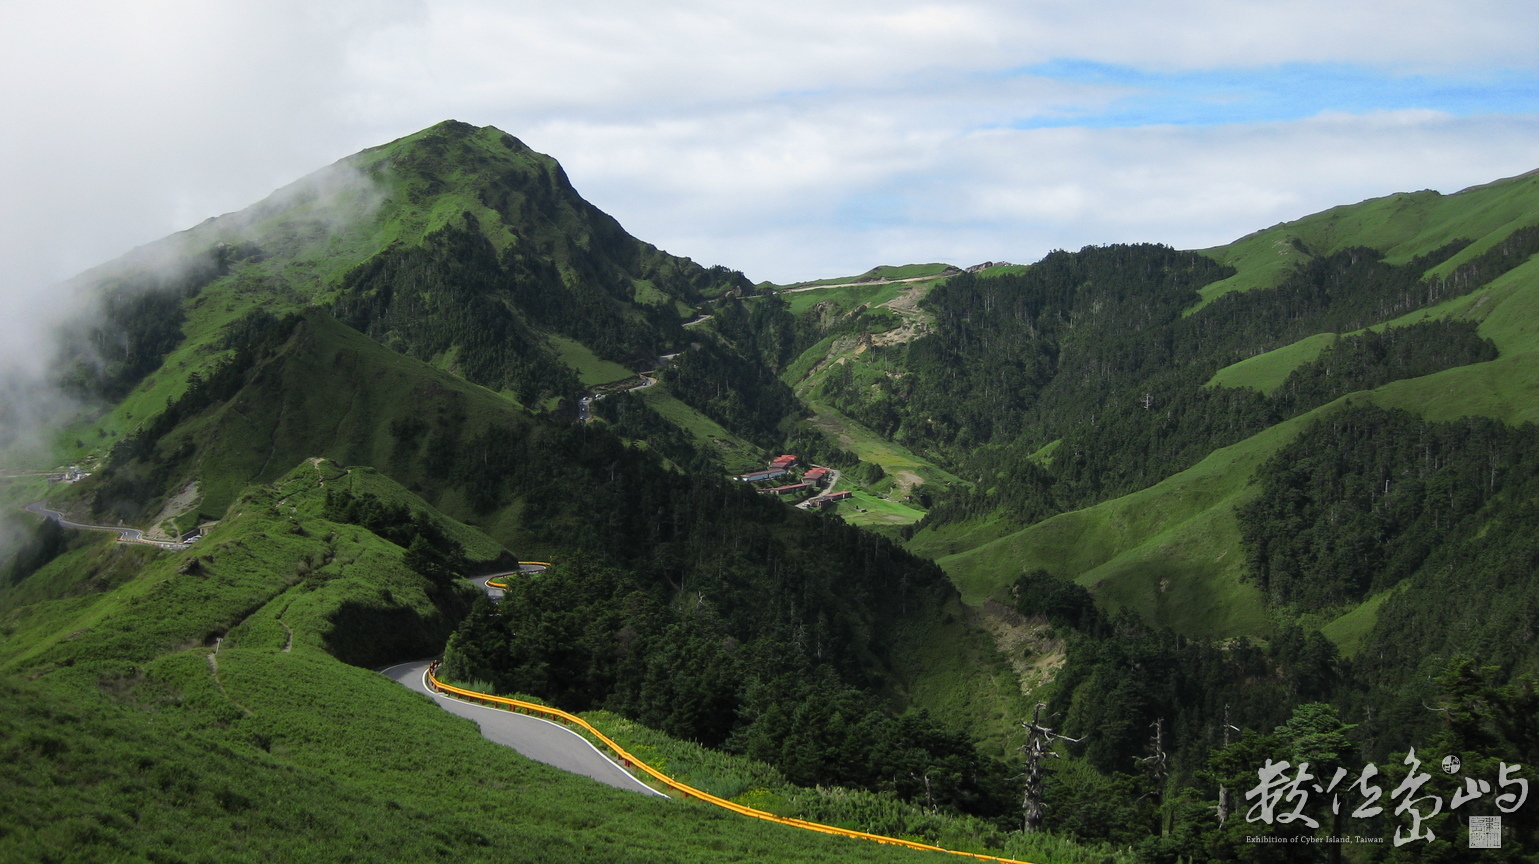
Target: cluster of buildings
x=811, y=480
x=73, y=474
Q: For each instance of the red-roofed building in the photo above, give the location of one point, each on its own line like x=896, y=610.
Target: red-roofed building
x=785, y=461
x=787, y=490
x=815, y=475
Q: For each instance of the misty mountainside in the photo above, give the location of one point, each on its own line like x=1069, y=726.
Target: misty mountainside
x=458, y=246
x=1283, y=486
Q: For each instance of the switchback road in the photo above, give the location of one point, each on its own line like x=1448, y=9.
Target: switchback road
x=585, y=402
x=540, y=740
x=125, y=535
x=492, y=591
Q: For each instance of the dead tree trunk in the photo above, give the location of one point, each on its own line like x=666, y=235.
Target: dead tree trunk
x=1038, y=748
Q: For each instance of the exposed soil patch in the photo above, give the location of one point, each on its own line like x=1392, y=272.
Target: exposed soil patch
x=915, y=322
x=1034, y=651
x=184, y=500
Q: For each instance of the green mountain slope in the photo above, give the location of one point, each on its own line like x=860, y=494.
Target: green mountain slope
x=701, y=607
x=132, y=734
x=458, y=245
x=1401, y=226
x=1173, y=551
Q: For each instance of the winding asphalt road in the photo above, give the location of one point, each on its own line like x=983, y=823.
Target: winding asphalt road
x=524, y=569
x=585, y=402
x=125, y=535
x=540, y=740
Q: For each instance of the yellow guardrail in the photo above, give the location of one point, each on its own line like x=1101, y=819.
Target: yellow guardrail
x=630, y=761
x=503, y=586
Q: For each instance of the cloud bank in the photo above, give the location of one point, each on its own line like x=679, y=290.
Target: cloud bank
x=791, y=141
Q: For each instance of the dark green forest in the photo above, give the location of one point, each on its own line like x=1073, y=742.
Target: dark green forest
x=1443, y=516
x=585, y=636
x=1123, y=389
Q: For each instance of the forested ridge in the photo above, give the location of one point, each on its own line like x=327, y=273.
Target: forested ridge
x=1099, y=355
x=1131, y=406
x=1441, y=516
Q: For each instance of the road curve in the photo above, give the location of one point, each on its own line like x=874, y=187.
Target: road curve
x=524, y=569
x=125, y=535
x=540, y=740
x=585, y=402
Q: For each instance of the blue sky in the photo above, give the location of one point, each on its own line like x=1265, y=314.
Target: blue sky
x=1295, y=91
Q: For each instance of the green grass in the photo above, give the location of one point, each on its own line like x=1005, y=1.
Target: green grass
x=758, y=785
x=896, y=460
x=882, y=272
x=590, y=368
x=737, y=455
x=363, y=480
x=798, y=369
x=1169, y=552
x=1266, y=372
x=272, y=541
x=1402, y=226
x=846, y=297
x=1172, y=551
x=331, y=392
x=1351, y=629
x=878, y=511
x=956, y=673
x=955, y=537
x=121, y=741
x=1044, y=455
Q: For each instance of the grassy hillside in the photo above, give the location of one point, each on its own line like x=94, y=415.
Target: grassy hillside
x=880, y=273
x=133, y=735
x=1172, y=551
x=1266, y=372
x=545, y=294
x=1402, y=226
x=324, y=391
x=736, y=454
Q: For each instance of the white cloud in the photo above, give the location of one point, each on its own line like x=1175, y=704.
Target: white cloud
x=856, y=132
x=877, y=193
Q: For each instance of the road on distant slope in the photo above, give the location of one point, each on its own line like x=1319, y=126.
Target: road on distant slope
x=125, y=535
x=872, y=283
x=585, y=403
x=540, y=740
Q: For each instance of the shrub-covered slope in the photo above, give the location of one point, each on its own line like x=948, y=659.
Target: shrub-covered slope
x=194, y=706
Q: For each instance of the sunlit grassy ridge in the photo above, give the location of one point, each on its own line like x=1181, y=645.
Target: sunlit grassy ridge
x=1172, y=551
x=736, y=454
x=591, y=369
x=884, y=272
x=1402, y=226
x=1266, y=372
